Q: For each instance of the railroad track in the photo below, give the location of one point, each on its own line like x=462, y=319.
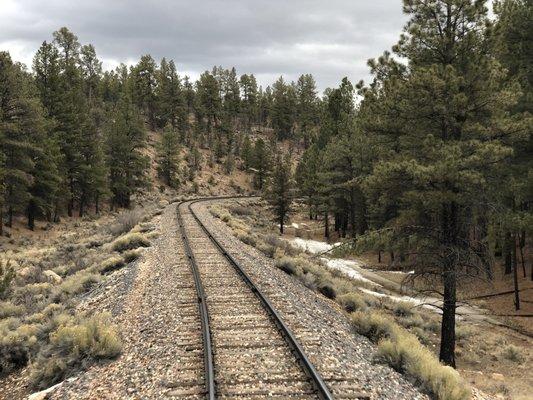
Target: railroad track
x=248, y=351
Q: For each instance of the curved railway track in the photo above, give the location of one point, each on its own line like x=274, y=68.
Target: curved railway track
x=249, y=352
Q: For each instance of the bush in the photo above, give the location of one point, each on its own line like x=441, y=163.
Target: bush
x=327, y=289
x=131, y=255
x=513, y=353
x=17, y=341
x=288, y=265
x=402, y=351
x=130, y=241
x=7, y=273
x=402, y=309
x=126, y=221
x=351, y=302
x=111, y=264
x=73, y=342
x=75, y=284
x=247, y=237
x=8, y=309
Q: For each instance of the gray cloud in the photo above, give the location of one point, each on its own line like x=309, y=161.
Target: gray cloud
x=330, y=39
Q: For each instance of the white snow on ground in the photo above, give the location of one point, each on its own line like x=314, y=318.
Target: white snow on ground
x=427, y=303
x=348, y=268
x=312, y=246
x=295, y=225
x=393, y=272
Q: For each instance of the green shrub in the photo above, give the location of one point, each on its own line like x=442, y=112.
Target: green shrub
x=351, y=302
x=111, y=264
x=7, y=274
x=130, y=241
x=71, y=344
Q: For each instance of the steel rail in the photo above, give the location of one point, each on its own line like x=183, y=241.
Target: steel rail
x=209, y=367
x=317, y=381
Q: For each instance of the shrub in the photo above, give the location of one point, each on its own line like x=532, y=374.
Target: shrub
x=17, y=341
x=75, y=284
x=125, y=222
x=111, y=264
x=463, y=332
x=72, y=343
x=402, y=351
x=403, y=309
x=247, y=237
x=7, y=273
x=352, y=302
x=8, y=309
x=288, y=265
x=131, y=255
x=130, y=241
x=327, y=289
x=512, y=353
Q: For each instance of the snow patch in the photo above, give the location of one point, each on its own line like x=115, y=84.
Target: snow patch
x=295, y=225
x=312, y=246
x=429, y=303
x=348, y=268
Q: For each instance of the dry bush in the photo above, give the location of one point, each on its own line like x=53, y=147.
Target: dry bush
x=513, y=353
x=402, y=308
x=405, y=353
x=17, y=341
x=8, y=309
x=130, y=241
x=131, y=255
x=288, y=265
x=72, y=343
x=75, y=284
x=352, y=302
x=125, y=222
x=111, y=264
x=327, y=288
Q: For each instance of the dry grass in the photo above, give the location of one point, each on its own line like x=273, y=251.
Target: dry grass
x=73, y=342
x=126, y=221
x=405, y=353
x=130, y=241
x=111, y=264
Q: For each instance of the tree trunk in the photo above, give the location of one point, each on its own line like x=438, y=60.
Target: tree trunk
x=31, y=217
x=515, y=276
x=2, y=225
x=10, y=217
x=447, y=340
x=507, y=253
x=82, y=206
x=379, y=256
x=281, y=225
x=97, y=205
x=326, y=225
x=522, y=244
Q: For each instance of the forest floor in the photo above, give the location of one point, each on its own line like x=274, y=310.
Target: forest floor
x=494, y=348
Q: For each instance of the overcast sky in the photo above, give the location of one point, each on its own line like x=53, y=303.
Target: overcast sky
x=328, y=38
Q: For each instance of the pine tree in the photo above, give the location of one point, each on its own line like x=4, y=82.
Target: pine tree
x=127, y=165
x=19, y=121
x=279, y=190
x=143, y=83
x=168, y=156
x=307, y=107
x=283, y=109
x=249, y=92
x=261, y=163
x=444, y=122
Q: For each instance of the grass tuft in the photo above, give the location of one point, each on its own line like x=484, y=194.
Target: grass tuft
x=403, y=351
x=130, y=241
x=111, y=264
x=73, y=342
